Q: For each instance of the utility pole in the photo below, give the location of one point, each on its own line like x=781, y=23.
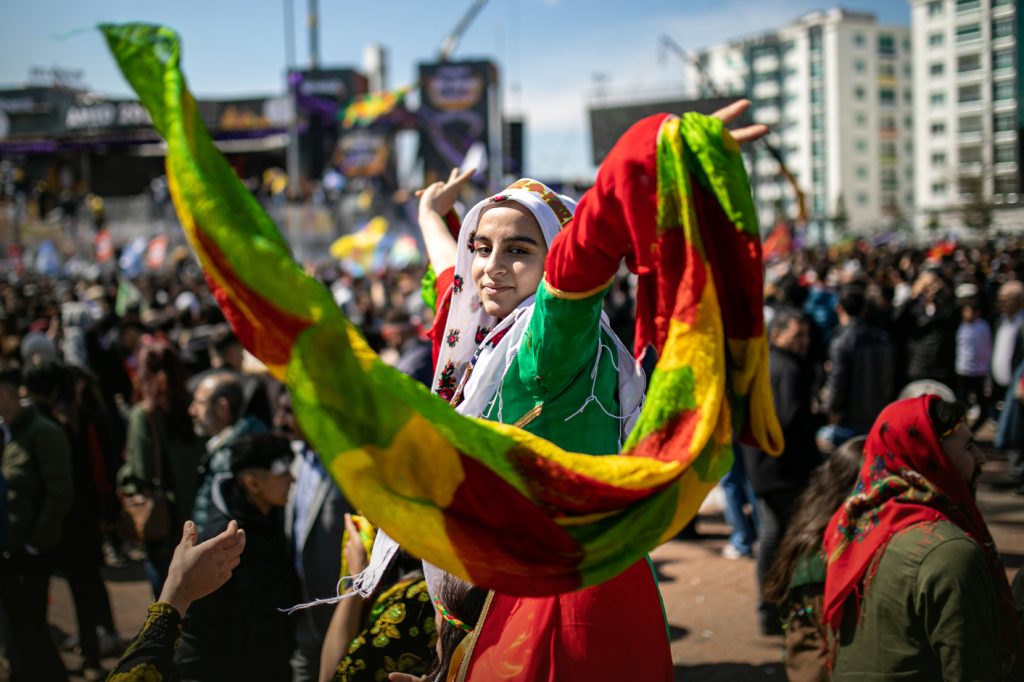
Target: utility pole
x=314, y=34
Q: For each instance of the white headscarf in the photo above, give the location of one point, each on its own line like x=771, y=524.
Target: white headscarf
x=486, y=347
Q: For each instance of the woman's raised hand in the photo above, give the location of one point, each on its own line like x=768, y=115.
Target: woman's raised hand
x=731, y=112
x=440, y=197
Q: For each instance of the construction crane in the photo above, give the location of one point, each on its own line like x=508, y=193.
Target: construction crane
x=668, y=44
x=452, y=40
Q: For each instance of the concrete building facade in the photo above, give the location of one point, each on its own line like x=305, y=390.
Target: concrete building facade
x=967, y=116
x=836, y=87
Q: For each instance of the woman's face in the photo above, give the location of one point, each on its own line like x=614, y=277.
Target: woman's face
x=508, y=257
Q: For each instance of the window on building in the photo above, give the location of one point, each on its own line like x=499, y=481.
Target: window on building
x=908, y=69
x=969, y=93
x=935, y=7
x=859, y=92
x=1002, y=59
x=859, y=40
x=968, y=33
x=1006, y=184
x=861, y=145
x=936, y=39
x=886, y=44
x=969, y=124
x=1002, y=90
x=862, y=199
x=890, y=179
x=862, y=119
x=887, y=150
x=967, y=5
x=939, y=188
x=816, y=96
x=788, y=46
x=908, y=122
x=817, y=122
x=887, y=97
x=818, y=151
x=815, y=40
x=790, y=72
x=967, y=63
x=938, y=129
x=887, y=123
x=1004, y=122
x=938, y=159
x=937, y=69
x=906, y=46
x=1002, y=28
x=937, y=99
x=819, y=204
x=859, y=66
x=1002, y=3
x=862, y=172
x=970, y=154
x=1005, y=153
x=887, y=69
x=815, y=69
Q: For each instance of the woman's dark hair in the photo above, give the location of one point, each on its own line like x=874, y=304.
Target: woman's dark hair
x=465, y=602
x=945, y=416
x=829, y=487
x=156, y=357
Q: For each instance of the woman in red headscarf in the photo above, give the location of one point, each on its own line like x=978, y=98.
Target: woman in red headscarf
x=914, y=587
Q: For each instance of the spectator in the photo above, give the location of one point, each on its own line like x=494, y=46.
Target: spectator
x=51, y=387
x=927, y=324
x=796, y=580
x=914, y=587
x=159, y=430
x=778, y=481
x=313, y=521
x=860, y=379
x=1007, y=355
x=227, y=355
x=238, y=632
x=393, y=630
x=410, y=351
x=216, y=412
x=973, y=354
x=194, y=572
x=36, y=464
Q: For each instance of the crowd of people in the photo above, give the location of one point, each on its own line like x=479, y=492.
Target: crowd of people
x=125, y=422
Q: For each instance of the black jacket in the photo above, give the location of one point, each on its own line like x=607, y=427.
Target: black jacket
x=792, y=384
x=237, y=633
x=862, y=379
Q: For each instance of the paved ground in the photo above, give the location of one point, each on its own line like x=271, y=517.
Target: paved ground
x=710, y=600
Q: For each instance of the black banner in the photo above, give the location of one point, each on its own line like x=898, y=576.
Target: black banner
x=459, y=109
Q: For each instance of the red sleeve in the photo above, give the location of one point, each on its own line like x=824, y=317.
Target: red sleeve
x=444, y=302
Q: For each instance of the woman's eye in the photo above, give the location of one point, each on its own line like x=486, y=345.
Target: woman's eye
x=482, y=250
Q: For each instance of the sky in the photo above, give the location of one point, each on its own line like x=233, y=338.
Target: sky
x=550, y=53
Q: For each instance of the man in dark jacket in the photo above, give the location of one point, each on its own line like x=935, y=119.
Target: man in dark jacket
x=237, y=633
x=860, y=380
x=216, y=412
x=778, y=481
x=36, y=464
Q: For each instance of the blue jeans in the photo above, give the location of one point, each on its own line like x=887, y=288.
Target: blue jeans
x=738, y=492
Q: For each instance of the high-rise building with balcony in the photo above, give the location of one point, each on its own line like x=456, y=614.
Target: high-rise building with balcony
x=836, y=88
x=967, y=92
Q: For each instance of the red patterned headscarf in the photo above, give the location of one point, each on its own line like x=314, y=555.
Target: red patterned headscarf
x=906, y=479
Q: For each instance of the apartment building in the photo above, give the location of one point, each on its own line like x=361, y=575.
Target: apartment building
x=966, y=112
x=837, y=89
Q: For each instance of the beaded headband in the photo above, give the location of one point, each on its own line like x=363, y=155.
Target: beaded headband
x=446, y=615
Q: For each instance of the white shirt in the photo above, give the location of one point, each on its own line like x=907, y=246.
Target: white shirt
x=1002, y=350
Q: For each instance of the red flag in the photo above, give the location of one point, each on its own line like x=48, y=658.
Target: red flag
x=104, y=245
x=156, y=252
